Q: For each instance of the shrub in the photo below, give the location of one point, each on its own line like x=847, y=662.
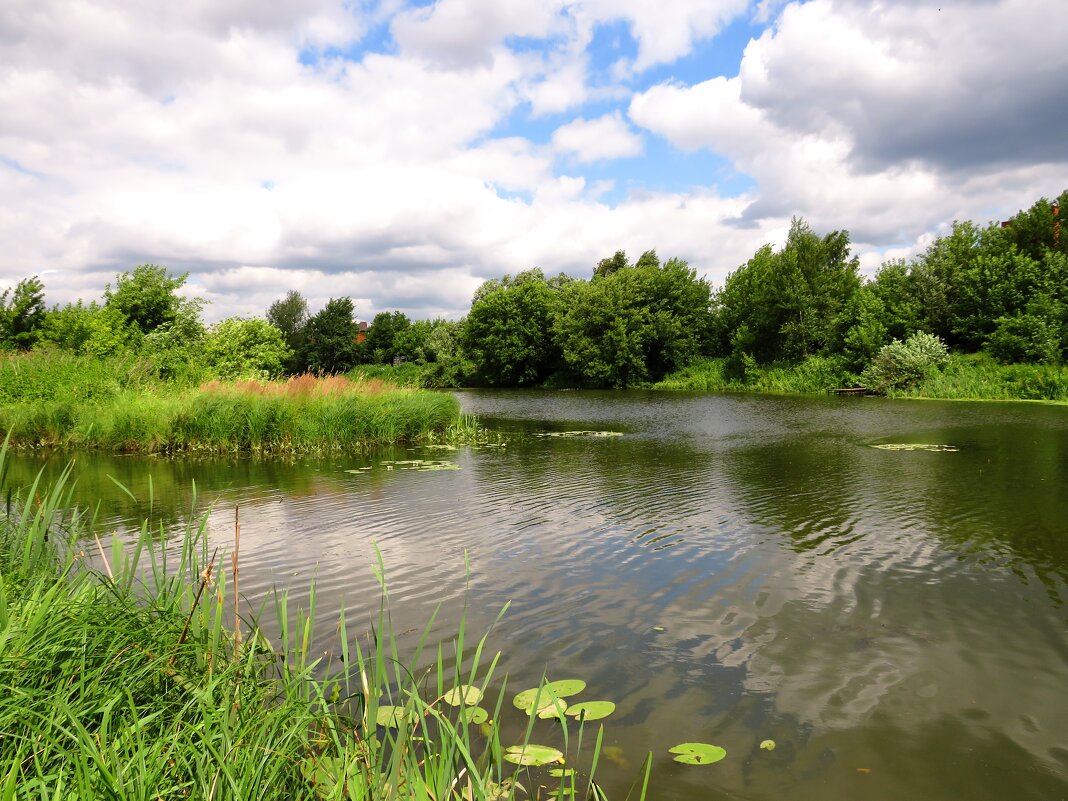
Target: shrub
x=901, y=365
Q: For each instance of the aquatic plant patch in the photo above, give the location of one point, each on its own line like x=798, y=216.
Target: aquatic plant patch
x=916, y=446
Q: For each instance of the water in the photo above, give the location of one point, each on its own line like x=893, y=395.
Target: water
x=732, y=568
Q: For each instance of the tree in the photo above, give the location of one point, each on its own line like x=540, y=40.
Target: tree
x=634, y=324
x=790, y=304
x=148, y=297
x=605, y=267
x=22, y=314
x=290, y=315
x=508, y=333
x=330, y=338
x=380, y=345
x=253, y=348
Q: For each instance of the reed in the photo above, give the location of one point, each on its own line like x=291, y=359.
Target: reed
x=979, y=377
x=814, y=375
x=302, y=415
x=122, y=681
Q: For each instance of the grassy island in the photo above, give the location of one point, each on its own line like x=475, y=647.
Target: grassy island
x=68, y=401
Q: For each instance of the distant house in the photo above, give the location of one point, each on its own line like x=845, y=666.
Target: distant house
x=361, y=332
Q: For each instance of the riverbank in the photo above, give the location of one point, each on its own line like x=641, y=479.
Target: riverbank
x=965, y=377
x=125, y=680
x=67, y=402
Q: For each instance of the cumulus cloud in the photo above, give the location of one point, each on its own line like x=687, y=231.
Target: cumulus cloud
x=886, y=120
x=607, y=137
x=264, y=147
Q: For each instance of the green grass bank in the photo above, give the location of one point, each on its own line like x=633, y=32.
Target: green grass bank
x=133, y=679
x=965, y=377
x=64, y=401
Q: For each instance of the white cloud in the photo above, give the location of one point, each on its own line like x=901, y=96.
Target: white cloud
x=193, y=136
x=607, y=137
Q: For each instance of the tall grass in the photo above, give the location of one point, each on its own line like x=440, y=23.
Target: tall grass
x=814, y=375
x=305, y=414
x=124, y=681
x=979, y=377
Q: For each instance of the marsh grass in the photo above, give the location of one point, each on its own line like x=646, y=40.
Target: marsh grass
x=305, y=414
x=123, y=681
x=814, y=375
x=980, y=377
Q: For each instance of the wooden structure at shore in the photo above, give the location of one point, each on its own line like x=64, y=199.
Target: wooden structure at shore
x=850, y=391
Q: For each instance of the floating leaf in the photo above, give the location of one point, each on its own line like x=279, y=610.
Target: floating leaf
x=767, y=745
x=917, y=446
x=566, y=687
x=391, y=716
x=561, y=773
x=534, y=755
x=698, y=753
x=477, y=715
x=464, y=694
x=592, y=710
x=574, y=434
x=560, y=689
x=552, y=709
x=659, y=628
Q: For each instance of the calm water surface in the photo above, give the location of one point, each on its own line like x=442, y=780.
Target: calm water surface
x=732, y=568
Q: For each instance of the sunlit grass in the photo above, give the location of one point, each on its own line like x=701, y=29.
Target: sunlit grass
x=305, y=414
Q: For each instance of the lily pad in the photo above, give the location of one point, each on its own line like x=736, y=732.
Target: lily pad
x=698, y=753
x=916, y=446
x=560, y=689
x=464, y=694
x=561, y=773
x=533, y=755
x=477, y=715
x=568, y=434
x=552, y=709
x=592, y=710
x=391, y=716
x=767, y=745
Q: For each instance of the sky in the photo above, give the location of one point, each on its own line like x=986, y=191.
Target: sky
x=400, y=152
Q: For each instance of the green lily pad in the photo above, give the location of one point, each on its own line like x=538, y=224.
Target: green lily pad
x=569, y=434
x=592, y=710
x=560, y=689
x=391, y=716
x=767, y=745
x=698, y=753
x=464, y=694
x=552, y=709
x=477, y=715
x=533, y=755
x=917, y=446
x=561, y=773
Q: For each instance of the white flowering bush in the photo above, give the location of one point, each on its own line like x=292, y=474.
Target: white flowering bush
x=901, y=365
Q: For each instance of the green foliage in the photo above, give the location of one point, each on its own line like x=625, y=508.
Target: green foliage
x=508, y=332
x=68, y=327
x=45, y=376
x=330, y=338
x=22, y=314
x=901, y=365
x=978, y=376
x=634, y=324
x=385, y=338
x=790, y=304
x=240, y=348
x=301, y=416
x=176, y=348
x=148, y=298
x=1025, y=338
x=289, y=315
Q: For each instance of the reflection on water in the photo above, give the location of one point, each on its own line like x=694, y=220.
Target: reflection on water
x=731, y=569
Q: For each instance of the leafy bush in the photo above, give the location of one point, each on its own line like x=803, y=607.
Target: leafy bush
x=239, y=348
x=901, y=365
x=1024, y=338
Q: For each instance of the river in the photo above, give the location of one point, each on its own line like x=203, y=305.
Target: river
x=726, y=569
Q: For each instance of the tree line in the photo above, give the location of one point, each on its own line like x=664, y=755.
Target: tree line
x=1000, y=289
